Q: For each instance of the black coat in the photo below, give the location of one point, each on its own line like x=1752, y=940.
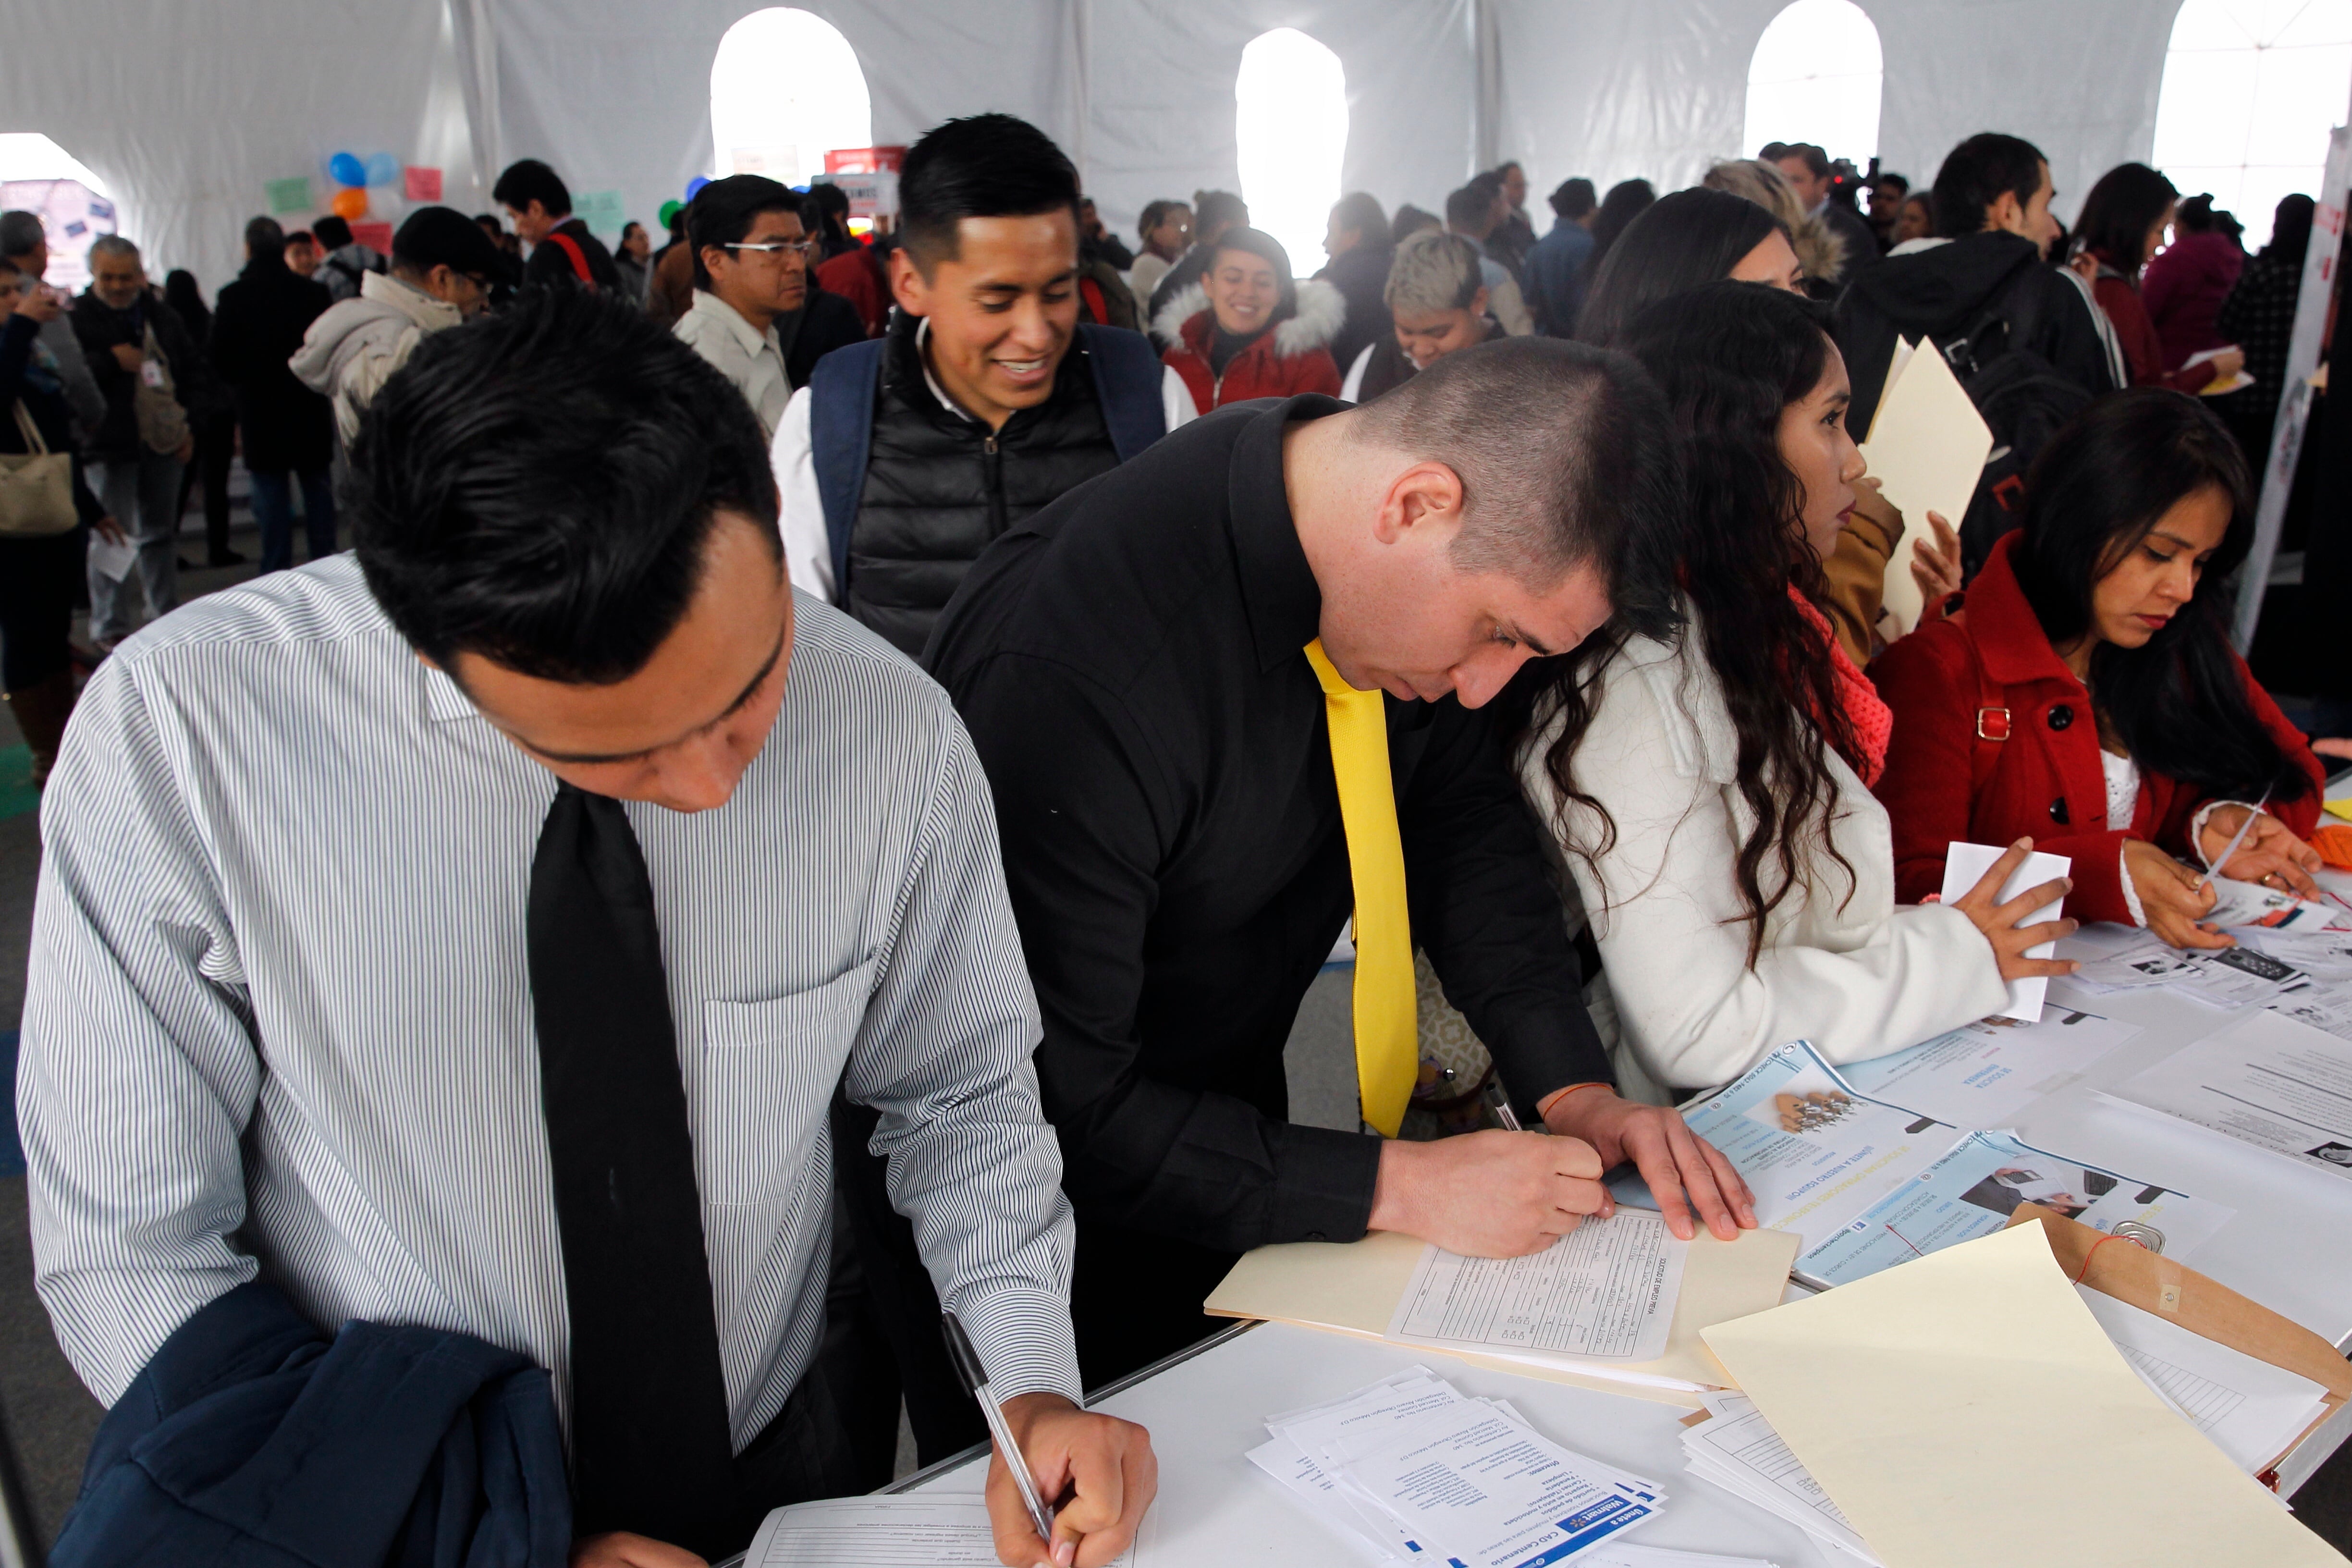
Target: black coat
x=1361, y=275
x=258, y=324
x=99, y=327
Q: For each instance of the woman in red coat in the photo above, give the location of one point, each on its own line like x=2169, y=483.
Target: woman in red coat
x=2086, y=696
x=2123, y=223
x=1251, y=332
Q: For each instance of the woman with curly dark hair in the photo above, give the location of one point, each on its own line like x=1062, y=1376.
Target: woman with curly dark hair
x=1711, y=793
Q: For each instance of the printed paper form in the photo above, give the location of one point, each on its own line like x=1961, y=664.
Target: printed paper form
x=885, y=1532
x=1982, y=1074
x=2271, y=1081
x=1607, y=1289
x=1737, y=1449
x=2251, y=1410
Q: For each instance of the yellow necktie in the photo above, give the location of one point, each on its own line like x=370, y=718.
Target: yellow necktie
x=1387, y=1037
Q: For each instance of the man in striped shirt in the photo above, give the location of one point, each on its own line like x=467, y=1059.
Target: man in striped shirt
x=473, y=935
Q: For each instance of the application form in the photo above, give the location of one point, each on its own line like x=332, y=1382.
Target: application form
x=885, y=1532
x=2252, y=1411
x=2271, y=1081
x=1606, y=1289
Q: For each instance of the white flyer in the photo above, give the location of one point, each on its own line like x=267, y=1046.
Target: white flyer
x=1605, y=1290
x=2252, y=1411
x=1982, y=1074
x=1965, y=866
x=2270, y=1081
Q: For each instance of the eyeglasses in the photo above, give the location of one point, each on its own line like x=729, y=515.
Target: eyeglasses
x=800, y=248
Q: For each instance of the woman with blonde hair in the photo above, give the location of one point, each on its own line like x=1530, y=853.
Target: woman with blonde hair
x=1821, y=251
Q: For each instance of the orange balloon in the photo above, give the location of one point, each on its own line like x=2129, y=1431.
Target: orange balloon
x=351, y=204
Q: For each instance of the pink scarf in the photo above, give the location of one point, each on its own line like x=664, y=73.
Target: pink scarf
x=1867, y=715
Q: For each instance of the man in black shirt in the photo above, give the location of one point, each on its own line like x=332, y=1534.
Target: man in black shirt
x=562, y=250
x=1131, y=664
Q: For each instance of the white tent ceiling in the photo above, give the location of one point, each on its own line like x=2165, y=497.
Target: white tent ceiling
x=186, y=110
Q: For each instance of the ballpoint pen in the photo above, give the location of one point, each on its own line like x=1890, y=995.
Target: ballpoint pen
x=975, y=1382
x=2235, y=839
x=1499, y=1101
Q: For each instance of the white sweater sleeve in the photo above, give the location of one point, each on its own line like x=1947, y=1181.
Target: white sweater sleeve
x=808, y=552
x=1666, y=912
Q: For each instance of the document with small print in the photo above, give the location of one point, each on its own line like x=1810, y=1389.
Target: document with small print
x=884, y=1532
x=1604, y=1292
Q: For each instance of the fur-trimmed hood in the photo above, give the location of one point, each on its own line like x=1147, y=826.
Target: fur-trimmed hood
x=1320, y=311
x=1820, y=249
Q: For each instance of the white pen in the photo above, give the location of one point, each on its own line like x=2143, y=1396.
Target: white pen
x=2235, y=839
x=975, y=1381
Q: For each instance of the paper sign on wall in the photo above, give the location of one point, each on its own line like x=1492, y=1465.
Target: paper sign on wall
x=602, y=211
x=418, y=184
x=288, y=196
x=376, y=237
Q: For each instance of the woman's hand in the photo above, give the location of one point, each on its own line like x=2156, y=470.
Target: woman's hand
x=1935, y=562
x=2170, y=898
x=1998, y=921
x=2226, y=365
x=2270, y=854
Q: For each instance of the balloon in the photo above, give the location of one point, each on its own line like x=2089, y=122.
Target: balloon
x=670, y=210
x=693, y=185
x=347, y=169
x=383, y=169
x=350, y=206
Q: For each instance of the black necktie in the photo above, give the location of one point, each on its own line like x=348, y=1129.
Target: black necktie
x=651, y=1448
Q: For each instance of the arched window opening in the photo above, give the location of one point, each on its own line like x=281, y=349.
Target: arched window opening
x=2252, y=88
x=1290, y=119
x=1815, y=77
x=36, y=175
x=786, y=89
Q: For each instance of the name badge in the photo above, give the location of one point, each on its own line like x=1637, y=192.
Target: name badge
x=151, y=373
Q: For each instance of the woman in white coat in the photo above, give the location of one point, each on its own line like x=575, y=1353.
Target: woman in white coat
x=1710, y=795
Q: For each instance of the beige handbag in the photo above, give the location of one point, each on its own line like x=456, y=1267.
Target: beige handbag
x=36, y=486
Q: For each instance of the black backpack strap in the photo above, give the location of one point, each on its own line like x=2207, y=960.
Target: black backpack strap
x=1127, y=375
x=841, y=439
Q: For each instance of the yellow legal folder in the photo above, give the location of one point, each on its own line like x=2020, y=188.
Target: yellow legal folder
x=1927, y=448
x=1354, y=1289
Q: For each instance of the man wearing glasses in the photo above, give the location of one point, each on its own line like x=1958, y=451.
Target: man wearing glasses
x=442, y=269
x=757, y=316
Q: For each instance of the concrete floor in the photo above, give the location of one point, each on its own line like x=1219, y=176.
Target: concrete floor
x=49, y=1417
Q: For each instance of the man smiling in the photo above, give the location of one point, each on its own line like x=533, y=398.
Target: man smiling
x=1175, y=679
x=616, y=862
x=904, y=457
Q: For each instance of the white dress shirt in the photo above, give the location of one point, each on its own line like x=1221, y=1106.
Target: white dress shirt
x=279, y=1015
x=753, y=361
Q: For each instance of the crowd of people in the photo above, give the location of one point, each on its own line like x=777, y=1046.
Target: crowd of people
x=688, y=986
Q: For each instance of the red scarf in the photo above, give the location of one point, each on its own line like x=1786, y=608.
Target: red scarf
x=1868, y=718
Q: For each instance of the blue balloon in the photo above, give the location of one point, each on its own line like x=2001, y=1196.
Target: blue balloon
x=347, y=170
x=695, y=185
x=383, y=169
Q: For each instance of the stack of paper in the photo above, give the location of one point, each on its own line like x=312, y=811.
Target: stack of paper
x=923, y=1531
x=1412, y=1470
x=2252, y=1410
x=1737, y=1449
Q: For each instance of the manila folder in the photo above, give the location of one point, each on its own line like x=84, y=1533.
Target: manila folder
x=1965, y=1408
x=1926, y=450
x=1353, y=1288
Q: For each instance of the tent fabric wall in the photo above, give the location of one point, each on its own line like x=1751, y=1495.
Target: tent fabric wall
x=184, y=110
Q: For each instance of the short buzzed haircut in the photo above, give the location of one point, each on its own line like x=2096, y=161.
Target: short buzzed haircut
x=112, y=245
x=1432, y=272
x=1574, y=198
x=984, y=165
x=1566, y=458
x=1471, y=209
x=21, y=233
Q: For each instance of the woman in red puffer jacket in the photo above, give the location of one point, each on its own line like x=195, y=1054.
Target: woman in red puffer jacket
x=1251, y=332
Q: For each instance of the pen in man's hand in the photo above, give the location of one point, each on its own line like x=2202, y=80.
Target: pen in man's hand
x=976, y=1382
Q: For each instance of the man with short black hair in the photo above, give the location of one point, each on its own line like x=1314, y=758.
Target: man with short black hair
x=755, y=315
x=1513, y=235
x=1887, y=196
x=1175, y=679
x=525, y=1024
x=906, y=455
x=562, y=250
x=346, y=261
x=287, y=428
x=1556, y=265
x=443, y=266
x=1984, y=279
